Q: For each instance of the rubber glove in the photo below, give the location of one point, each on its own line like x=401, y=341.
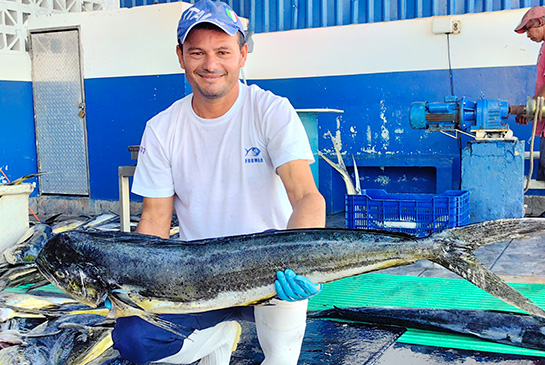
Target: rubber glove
x=108, y=304
x=291, y=287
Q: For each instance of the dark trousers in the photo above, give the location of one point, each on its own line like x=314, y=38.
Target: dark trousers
x=142, y=342
x=541, y=165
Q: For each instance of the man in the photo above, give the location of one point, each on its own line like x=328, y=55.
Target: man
x=533, y=24
x=231, y=159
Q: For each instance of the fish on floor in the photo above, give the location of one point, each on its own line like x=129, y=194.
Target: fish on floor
x=515, y=329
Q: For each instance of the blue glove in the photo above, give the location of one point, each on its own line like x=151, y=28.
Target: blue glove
x=291, y=287
x=108, y=304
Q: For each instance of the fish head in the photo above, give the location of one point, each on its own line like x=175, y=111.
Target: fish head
x=61, y=264
x=28, y=246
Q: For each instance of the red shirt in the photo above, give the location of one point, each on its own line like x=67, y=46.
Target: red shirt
x=540, y=82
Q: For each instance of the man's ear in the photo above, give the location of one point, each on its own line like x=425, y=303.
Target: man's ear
x=180, y=54
x=244, y=54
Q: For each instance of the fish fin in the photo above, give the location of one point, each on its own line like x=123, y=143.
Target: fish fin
x=120, y=301
x=459, y=259
x=350, y=189
x=164, y=324
x=356, y=176
x=27, y=177
x=123, y=296
x=340, y=166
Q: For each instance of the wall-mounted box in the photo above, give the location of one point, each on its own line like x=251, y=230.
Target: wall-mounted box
x=446, y=25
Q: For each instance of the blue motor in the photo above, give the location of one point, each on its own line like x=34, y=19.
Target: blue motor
x=464, y=115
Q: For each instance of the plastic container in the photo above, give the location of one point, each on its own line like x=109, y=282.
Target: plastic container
x=13, y=213
x=416, y=214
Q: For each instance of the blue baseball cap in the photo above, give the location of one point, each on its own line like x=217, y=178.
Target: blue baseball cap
x=207, y=11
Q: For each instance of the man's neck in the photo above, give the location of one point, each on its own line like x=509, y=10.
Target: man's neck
x=214, y=108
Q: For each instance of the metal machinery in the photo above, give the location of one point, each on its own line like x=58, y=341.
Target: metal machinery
x=493, y=163
x=483, y=119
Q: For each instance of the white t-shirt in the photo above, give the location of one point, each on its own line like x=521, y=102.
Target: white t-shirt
x=222, y=172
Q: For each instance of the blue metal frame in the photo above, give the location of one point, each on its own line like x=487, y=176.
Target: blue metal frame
x=280, y=15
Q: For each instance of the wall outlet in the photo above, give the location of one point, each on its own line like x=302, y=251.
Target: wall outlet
x=456, y=26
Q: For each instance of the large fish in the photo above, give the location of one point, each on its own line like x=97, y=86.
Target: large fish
x=516, y=329
x=142, y=275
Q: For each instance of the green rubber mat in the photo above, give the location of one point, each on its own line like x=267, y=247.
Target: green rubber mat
x=383, y=290
x=24, y=288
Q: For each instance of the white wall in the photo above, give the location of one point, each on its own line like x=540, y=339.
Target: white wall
x=142, y=40
x=486, y=40
x=124, y=42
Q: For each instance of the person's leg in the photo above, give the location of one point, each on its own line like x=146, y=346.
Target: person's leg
x=541, y=166
x=213, y=346
x=280, y=330
x=142, y=342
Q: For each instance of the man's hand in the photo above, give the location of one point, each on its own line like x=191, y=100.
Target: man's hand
x=521, y=119
x=291, y=287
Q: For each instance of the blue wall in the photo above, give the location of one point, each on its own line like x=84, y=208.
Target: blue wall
x=17, y=137
x=117, y=111
x=412, y=161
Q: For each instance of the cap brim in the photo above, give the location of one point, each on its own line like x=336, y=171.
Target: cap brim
x=520, y=28
x=231, y=33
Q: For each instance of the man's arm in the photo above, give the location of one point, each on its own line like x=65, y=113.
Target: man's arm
x=308, y=212
x=156, y=217
x=307, y=202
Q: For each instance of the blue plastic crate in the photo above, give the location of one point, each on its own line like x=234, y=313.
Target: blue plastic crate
x=416, y=214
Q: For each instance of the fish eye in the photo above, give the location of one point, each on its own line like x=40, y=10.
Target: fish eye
x=60, y=274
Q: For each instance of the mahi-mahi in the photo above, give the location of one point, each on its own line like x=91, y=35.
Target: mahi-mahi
x=145, y=275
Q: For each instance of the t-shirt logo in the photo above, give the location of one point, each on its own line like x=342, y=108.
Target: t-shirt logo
x=253, y=155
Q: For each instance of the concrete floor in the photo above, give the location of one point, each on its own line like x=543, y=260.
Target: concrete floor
x=520, y=261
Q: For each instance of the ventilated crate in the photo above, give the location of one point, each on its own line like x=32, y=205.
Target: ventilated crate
x=416, y=214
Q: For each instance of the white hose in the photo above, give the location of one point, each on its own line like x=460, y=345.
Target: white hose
x=537, y=117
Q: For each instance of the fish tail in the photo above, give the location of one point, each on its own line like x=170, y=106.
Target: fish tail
x=488, y=232
x=456, y=256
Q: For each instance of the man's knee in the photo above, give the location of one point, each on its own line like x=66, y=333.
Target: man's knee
x=141, y=342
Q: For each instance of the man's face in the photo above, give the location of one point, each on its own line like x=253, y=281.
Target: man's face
x=536, y=34
x=535, y=30
x=212, y=60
